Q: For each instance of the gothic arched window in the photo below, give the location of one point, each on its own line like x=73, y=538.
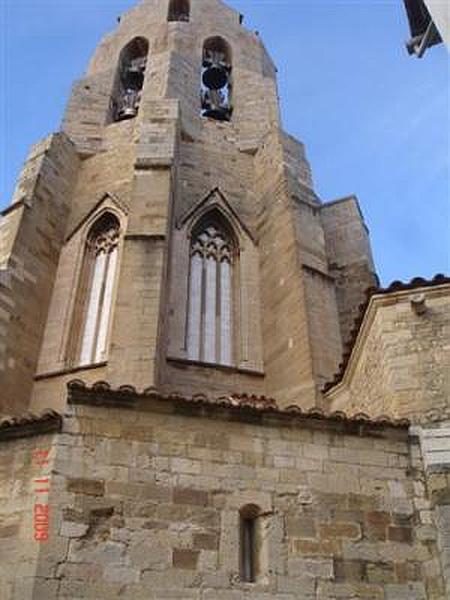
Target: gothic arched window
x=179, y=10
x=210, y=324
x=96, y=290
x=130, y=80
x=217, y=79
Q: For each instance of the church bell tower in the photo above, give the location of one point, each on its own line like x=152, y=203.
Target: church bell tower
x=170, y=236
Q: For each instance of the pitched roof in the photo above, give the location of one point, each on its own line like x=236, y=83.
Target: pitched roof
x=396, y=286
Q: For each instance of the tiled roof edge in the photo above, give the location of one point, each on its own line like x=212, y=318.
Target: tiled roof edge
x=243, y=405
x=30, y=424
x=396, y=286
x=417, y=282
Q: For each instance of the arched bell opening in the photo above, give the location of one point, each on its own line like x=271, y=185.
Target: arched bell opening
x=217, y=79
x=130, y=80
x=179, y=10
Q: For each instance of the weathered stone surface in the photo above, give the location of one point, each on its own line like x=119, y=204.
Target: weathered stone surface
x=185, y=559
x=190, y=496
x=89, y=487
x=183, y=536
x=144, y=496
x=73, y=530
x=400, y=364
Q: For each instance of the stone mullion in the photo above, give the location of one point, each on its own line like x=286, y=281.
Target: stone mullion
x=80, y=309
x=187, y=324
x=100, y=307
x=218, y=310
x=202, y=342
x=105, y=308
x=93, y=304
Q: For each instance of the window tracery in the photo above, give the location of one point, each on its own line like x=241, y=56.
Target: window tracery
x=98, y=279
x=211, y=294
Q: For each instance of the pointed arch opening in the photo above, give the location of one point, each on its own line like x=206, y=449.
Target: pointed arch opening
x=213, y=252
x=179, y=10
x=216, y=84
x=130, y=80
x=93, y=309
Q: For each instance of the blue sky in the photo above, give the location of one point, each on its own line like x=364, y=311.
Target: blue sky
x=374, y=120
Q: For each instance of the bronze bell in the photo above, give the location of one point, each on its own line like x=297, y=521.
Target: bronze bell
x=128, y=104
x=215, y=77
x=127, y=112
x=133, y=78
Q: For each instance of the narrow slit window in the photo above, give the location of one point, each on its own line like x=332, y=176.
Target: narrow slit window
x=249, y=544
x=99, y=275
x=210, y=308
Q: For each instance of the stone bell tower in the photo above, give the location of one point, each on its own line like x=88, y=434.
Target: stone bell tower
x=170, y=235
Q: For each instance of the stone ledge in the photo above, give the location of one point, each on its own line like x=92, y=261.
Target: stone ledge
x=69, y=371
x=18, y=204
x=145, y=237
x=186, y=362
x=145, y=164
x=319, y=273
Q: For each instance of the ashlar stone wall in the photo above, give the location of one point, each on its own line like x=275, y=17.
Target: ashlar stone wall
x=350, y=258
x=23, y=573
x=435, y=444
x=400, y=363
x=145, y=500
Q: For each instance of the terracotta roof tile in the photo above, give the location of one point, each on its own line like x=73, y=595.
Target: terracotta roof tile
x=30, y=424
x=396, y=286
x=101, y=393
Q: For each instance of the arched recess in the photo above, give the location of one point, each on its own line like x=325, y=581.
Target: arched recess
x=211, y=241
x=212, y=290
x=60, y=346
x=216, y=83
x=179, y=10
x=129, y=81
x=91, y=318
